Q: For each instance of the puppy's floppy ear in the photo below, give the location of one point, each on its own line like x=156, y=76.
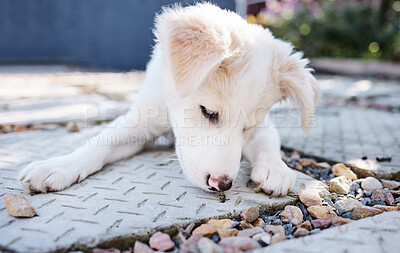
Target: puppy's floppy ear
x=193, y=46
x=296, y=81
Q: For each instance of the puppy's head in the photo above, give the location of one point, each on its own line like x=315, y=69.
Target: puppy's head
x=221, y=76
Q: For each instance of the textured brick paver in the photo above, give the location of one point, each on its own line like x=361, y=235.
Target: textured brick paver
x=135, y=196
x=379, y=234
x=129, y=198
x=348, y=134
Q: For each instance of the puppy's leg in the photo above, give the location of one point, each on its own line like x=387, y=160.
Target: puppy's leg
x=123, y=138
x=269, y=172
x=119, y=140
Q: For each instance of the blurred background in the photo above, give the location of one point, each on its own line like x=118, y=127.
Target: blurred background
x=116, y=35
x=365, y=29
x=63, y=60
x=107, y=34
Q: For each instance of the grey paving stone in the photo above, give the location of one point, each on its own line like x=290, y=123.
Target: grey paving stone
x=375, y=234
x=129, y=198
x=348, y=134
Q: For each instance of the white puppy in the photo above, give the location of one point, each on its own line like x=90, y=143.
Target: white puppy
x=211, y=75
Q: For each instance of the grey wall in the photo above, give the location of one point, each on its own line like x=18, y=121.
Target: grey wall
x=114, y=34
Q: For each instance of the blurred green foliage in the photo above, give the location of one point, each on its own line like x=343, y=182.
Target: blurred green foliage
x=349, y=29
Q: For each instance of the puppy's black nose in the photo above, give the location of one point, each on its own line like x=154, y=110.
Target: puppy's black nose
x=220, y=184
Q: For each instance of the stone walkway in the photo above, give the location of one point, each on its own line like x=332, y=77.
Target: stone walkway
x=130, y=198
x=348, y=134
x=133, y=197
x=378, y=234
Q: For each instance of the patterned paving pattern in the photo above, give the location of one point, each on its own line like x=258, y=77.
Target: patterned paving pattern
x=348, y=134
x=130, y=197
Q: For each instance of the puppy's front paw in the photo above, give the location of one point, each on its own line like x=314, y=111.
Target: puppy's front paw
x=54, y=174
x=273, y=177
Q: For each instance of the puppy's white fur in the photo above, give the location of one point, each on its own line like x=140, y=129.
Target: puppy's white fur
x=210, y=57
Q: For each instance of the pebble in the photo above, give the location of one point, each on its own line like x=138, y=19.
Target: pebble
x=250, y=232
x=390, y=184
x=18, y=206
x=366, y=201
x=367, y=193
x=364, y=211
x=340, y=169
x=227, y=232
x=301, y=232
x=288, y=228
x=264, y=237
x=292, y=214
x=190, y=246
x=221, y=224
x=339, y=185
x=321, y=224
x=295, y=155
x=310, y=198
x=206, y=245
x=321, y=212
x=277, y=232
x=4, y=129
x=325, y=194
x=238, y=244
x=36, y=127
x=339, y=209
x=322, y=165
x=74, y=126
x=303, y=209
x=206, y=230
x=348, y=215
x=141, y=248
x=348, y=205
x=376, y=202
x=354, y=187
x=295, y=166
x=259, y=222
x=338, y=221
x=246, y=225
x=371, y=183
x=50, y=127
x=277, y=238
x=251, y=214
x=267, y=219
x=215, y=238
x=351, y=195
x=387, y=208
x=383, y=195
x=306, y=162
x=277, y=222
x=306, y=225
x=161, y=241
x=20, y=128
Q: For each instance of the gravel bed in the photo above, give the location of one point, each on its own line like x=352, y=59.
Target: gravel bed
x=349, y=198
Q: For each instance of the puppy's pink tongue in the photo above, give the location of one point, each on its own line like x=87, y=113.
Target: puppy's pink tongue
x=213, y=183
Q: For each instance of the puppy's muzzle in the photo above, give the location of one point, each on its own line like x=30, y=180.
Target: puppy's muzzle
x=223, y=183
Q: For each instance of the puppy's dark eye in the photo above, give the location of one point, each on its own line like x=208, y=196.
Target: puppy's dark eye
x=211, y=116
